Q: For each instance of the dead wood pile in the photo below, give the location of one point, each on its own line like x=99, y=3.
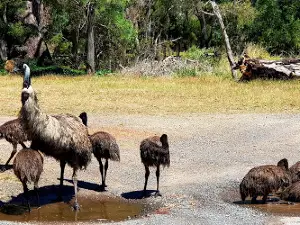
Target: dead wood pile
x=168, y=66
x=251, y=68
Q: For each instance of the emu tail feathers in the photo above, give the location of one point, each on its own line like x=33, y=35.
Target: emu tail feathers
x=114, y=153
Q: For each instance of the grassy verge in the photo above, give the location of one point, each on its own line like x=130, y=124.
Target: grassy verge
x=152, y=96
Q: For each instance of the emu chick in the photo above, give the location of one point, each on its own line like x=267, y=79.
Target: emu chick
x=295, y=172
x=262, y=180
x=104, y=147
x=292, y=192
x=28, y=166
x=15, y=134
x=154, y=151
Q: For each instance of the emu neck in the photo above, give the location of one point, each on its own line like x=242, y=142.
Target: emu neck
x=31, y=113
x=165, y=146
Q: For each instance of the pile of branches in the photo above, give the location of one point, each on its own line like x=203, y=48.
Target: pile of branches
x=169, y=66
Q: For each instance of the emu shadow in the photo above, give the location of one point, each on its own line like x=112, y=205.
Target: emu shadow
x=86, y=185
x=48, y=194
x=4, y=167
x=138, y=194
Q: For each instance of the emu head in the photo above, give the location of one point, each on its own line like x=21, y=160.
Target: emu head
x=83, y=117
x=286, y=181
x=27, y=79
x=164, y=140
x=283, y=163
x=27, y=92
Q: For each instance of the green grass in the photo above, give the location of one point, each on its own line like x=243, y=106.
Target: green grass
x=152, y=96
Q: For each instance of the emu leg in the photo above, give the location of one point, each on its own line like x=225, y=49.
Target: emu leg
x=157, y=178
x=12, y=154
x=147, y=173
x=25, y=189
x=36, y=189
x=102, y=175
x=105, y=172
x=74, y=177
x=264, y=199
x=23, y=145
x=243, y=197
x=62, y=171
x=253, y=200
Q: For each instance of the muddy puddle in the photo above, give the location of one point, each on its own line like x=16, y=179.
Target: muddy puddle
x=278, y=209
x=92, y=209
x=274, y=206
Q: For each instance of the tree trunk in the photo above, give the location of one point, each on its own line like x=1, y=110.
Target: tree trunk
x=90, y=39
x=3, y=50
x=268, y=69
x=226, y=39
x=3, y=43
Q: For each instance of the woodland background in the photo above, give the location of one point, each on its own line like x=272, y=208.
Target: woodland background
x=109, y=35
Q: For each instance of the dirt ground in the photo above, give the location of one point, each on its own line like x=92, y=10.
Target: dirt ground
x=210, y=154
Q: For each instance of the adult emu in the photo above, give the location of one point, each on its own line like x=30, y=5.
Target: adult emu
x=63, y=137
x=28, y=166
x=14, y=133
x=262, y=180
x=155, y=152
x=104, y=147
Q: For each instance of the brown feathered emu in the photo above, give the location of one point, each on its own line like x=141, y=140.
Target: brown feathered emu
x=63, y=137
x=262, y=180
x=14, y=133
x=295, y=172
x=292, y=192
x=28, y=166
x=104, y=147
x=154, y=152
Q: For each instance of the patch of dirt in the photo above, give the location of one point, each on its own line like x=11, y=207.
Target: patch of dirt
x=210, y=154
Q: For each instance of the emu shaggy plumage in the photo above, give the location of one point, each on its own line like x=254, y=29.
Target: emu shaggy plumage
x=292, y=192
x=295, y=172
x=262, y=180
x=28, y=166
x=154, y=151
x=104, y=147
x=14, y=133
x=63, y=137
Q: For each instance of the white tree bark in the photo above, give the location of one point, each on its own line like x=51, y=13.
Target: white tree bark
x=226, y=39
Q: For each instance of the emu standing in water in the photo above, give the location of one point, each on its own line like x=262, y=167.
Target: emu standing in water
x=14, y=133
x=155, y=152
x=28, y=166
x=262, y=180
x=63, y=137
x=104, y=147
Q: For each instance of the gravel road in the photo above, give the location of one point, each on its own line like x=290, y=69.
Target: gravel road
x=210, y=154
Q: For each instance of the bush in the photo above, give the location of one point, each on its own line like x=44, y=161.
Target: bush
x=103, y=72
x=257, y=51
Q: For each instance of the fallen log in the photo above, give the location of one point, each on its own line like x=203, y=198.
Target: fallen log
x=268, y=69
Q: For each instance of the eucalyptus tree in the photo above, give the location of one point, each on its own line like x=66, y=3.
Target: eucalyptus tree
x=277, y=25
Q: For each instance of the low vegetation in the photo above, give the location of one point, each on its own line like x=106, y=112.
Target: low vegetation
x=153, y=96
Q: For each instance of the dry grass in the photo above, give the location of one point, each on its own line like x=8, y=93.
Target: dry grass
x=160, y=96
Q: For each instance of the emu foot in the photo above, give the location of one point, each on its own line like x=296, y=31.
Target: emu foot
x=102, y=188
x=157, y=194
x=3, y=168
x=76, y=206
